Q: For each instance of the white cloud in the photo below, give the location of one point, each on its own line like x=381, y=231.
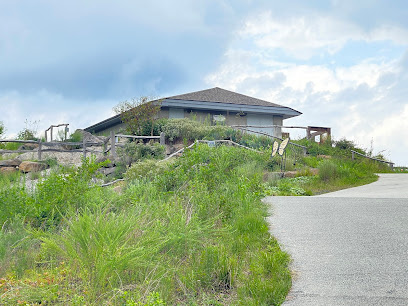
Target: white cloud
x=48, y=108
x=362, y=102
x=305, y=36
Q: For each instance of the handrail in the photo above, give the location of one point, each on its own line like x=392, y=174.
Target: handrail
x=137, y=137
x=270, y=126
x=50, y=144
x=266, y=134
x=391, y=164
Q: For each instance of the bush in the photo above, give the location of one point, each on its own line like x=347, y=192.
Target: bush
x=328, y=170
x=157, y=127
x=192, y=231
x=148, y=169
x=2, y=129
x=185, y=128
x=29, y=131
x=99, y=247
x=75, y=137
x=134, y=151
x=16, y=250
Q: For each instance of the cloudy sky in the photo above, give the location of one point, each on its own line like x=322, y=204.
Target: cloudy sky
x=342, y=63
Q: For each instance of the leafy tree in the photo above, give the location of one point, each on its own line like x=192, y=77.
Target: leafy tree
x=29, y=131
x=2, y=129
x=137, y=113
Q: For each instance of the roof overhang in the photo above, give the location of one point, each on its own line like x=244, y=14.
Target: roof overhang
x=285, y=112
x=103, y=125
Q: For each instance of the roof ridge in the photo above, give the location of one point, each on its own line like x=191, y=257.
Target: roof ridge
x=221, y=95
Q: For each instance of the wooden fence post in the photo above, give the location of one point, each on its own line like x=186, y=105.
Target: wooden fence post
x=105, y=147
x=162, y=139
x=113, y=149
x=84, y=146
x=39, y=149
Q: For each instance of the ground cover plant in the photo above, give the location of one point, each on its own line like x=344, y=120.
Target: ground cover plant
x=190, y=231
x=334, y=170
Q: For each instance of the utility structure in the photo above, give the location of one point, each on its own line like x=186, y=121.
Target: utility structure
x=314, y=131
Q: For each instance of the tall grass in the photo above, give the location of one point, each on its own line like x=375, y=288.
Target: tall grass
x=191, y=232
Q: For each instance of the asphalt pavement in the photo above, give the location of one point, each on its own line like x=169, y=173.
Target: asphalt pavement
x=348, y=247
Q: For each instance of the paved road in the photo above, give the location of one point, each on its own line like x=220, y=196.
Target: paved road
x=349, y=247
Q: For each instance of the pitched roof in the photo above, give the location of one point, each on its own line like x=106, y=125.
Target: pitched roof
x=211, y=99
x=220, y=95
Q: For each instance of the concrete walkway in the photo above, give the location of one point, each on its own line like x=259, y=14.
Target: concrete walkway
x=348, y=247
x=389, y=185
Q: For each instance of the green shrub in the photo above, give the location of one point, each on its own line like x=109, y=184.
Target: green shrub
x=328, y=170
x=134, y=151
x=10, y=145
x=51, y=161
x=16, y=250
x=99, y=247
x=192, y=232
x=183, y=128
x=2, y=129
x=75, y=137
x=176, y=129
x=148, y=168
x=158, y=125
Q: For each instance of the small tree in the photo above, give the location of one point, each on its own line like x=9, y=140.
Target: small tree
x=137, y=113
x=29, y=132
x=2, y=129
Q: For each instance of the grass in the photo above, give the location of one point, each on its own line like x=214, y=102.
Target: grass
x=10, y=145
x=335, y=173
x=191, y=232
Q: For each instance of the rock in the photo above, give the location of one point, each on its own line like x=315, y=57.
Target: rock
x=89, y=137
x=28, y=146
x=324, y=156
x=29, y=166
x=308, y=172
x=170, y=149
x=107, y=171
x=6, y=170
x=290, y=174
x=271, y=176
x=10, y=163
x=314, y=171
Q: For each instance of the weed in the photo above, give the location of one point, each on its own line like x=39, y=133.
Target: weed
x=190, y=231
x=328, y=170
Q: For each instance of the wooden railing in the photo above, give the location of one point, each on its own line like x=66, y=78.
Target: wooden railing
x=353, y=153
x=41, y=146
x=304, y=149
x=84, y=145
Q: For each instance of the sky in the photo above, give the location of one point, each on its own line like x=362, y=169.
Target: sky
x=343, y=64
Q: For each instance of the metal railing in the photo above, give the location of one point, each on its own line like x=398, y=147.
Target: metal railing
x=353, y=153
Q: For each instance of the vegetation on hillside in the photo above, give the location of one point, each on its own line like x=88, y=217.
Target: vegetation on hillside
x=138, y=113
x=189, y=230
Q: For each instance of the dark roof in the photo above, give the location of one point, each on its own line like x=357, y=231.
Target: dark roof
x=220, y=95
x=209, y=99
